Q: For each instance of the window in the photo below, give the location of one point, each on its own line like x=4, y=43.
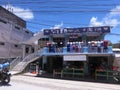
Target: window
x=16, y=45
x=17, y=27
x=27, y=50
x=44, y=39
x=26, y=31
x=3, y=21
x=2, y=43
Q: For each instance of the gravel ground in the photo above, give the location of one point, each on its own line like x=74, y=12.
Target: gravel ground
x=34, y=83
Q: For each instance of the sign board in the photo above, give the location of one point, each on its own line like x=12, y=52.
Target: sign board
x=51, y=31
x=102, y=29
x=75, y=58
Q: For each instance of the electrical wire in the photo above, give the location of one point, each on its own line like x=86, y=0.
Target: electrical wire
x=71, y=6
x=56, y=6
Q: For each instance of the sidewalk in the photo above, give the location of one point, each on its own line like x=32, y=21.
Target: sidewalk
x=14, y=72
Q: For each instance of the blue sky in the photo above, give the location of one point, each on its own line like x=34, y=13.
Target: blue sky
x=40, y=14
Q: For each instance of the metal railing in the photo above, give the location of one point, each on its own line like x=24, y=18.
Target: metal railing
x=69, y=72
x=77, y=50
x=30, y=58
x=107, y=74
x=15, y=62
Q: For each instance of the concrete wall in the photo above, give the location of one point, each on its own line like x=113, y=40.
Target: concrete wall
x=11, y=35
x=12, y=17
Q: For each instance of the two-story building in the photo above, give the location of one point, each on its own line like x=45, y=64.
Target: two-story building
x=75, y=48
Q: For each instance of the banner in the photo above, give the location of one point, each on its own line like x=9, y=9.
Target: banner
x=102, y=29
x=51, y=31
x=105, y=29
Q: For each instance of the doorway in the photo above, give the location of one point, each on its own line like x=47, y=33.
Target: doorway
x=95, y=63
x=54, y=63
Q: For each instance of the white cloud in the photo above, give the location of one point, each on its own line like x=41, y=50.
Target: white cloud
x=94, y=22
x=25, y=14
x=58, y=26
x=111, y=19
x=115, y=11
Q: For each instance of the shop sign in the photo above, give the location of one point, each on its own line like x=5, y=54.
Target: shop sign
x=51, y=31
x=102, y=29
x=75, y=58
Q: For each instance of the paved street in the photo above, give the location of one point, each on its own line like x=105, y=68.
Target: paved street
x=35, y=83
x=14, y=85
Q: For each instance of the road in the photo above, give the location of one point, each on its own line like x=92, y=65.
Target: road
x=21, y=82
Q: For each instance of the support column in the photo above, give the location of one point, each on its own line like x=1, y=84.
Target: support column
x=107, y=68
x=30, y=49
x=44, y=61
x=85, y=68
x=24, y=49
x=66, y=39
x=51, y=38
x=35, y=48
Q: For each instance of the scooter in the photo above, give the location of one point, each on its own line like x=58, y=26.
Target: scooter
x=4, y=73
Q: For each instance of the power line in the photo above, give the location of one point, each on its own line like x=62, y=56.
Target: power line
x=56, y=11
x=117, y=34
x=39, y=23
x=51, y=1
x=61, y=3
x=72, y=8
x=63, y=22
x=69, y=23
x=37, y=4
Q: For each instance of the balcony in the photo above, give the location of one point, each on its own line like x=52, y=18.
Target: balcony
x=82, y=50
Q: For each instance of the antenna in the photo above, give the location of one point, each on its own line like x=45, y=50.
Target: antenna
x=8, y=6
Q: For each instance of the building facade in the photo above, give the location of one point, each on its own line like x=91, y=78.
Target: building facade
x=74, y=52
x=12, y=32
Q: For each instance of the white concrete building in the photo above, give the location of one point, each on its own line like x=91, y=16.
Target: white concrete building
x=12, y=32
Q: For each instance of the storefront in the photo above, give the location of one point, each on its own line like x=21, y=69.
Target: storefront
x=99, y=63
x=76, y=52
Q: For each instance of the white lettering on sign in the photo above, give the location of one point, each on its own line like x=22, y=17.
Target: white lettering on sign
x=75, y=58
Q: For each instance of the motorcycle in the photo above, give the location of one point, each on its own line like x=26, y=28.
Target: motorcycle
x=4, y=73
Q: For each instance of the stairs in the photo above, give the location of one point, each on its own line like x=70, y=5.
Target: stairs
x=19, y=68
x=15, y=62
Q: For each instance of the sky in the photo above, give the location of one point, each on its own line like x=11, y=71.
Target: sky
x=44, y=14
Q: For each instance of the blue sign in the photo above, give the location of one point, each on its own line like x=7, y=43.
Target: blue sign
x=51, y=31
x=47, y=31
x=102, y=29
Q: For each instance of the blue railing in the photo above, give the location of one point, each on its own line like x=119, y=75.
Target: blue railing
x=66, y=50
